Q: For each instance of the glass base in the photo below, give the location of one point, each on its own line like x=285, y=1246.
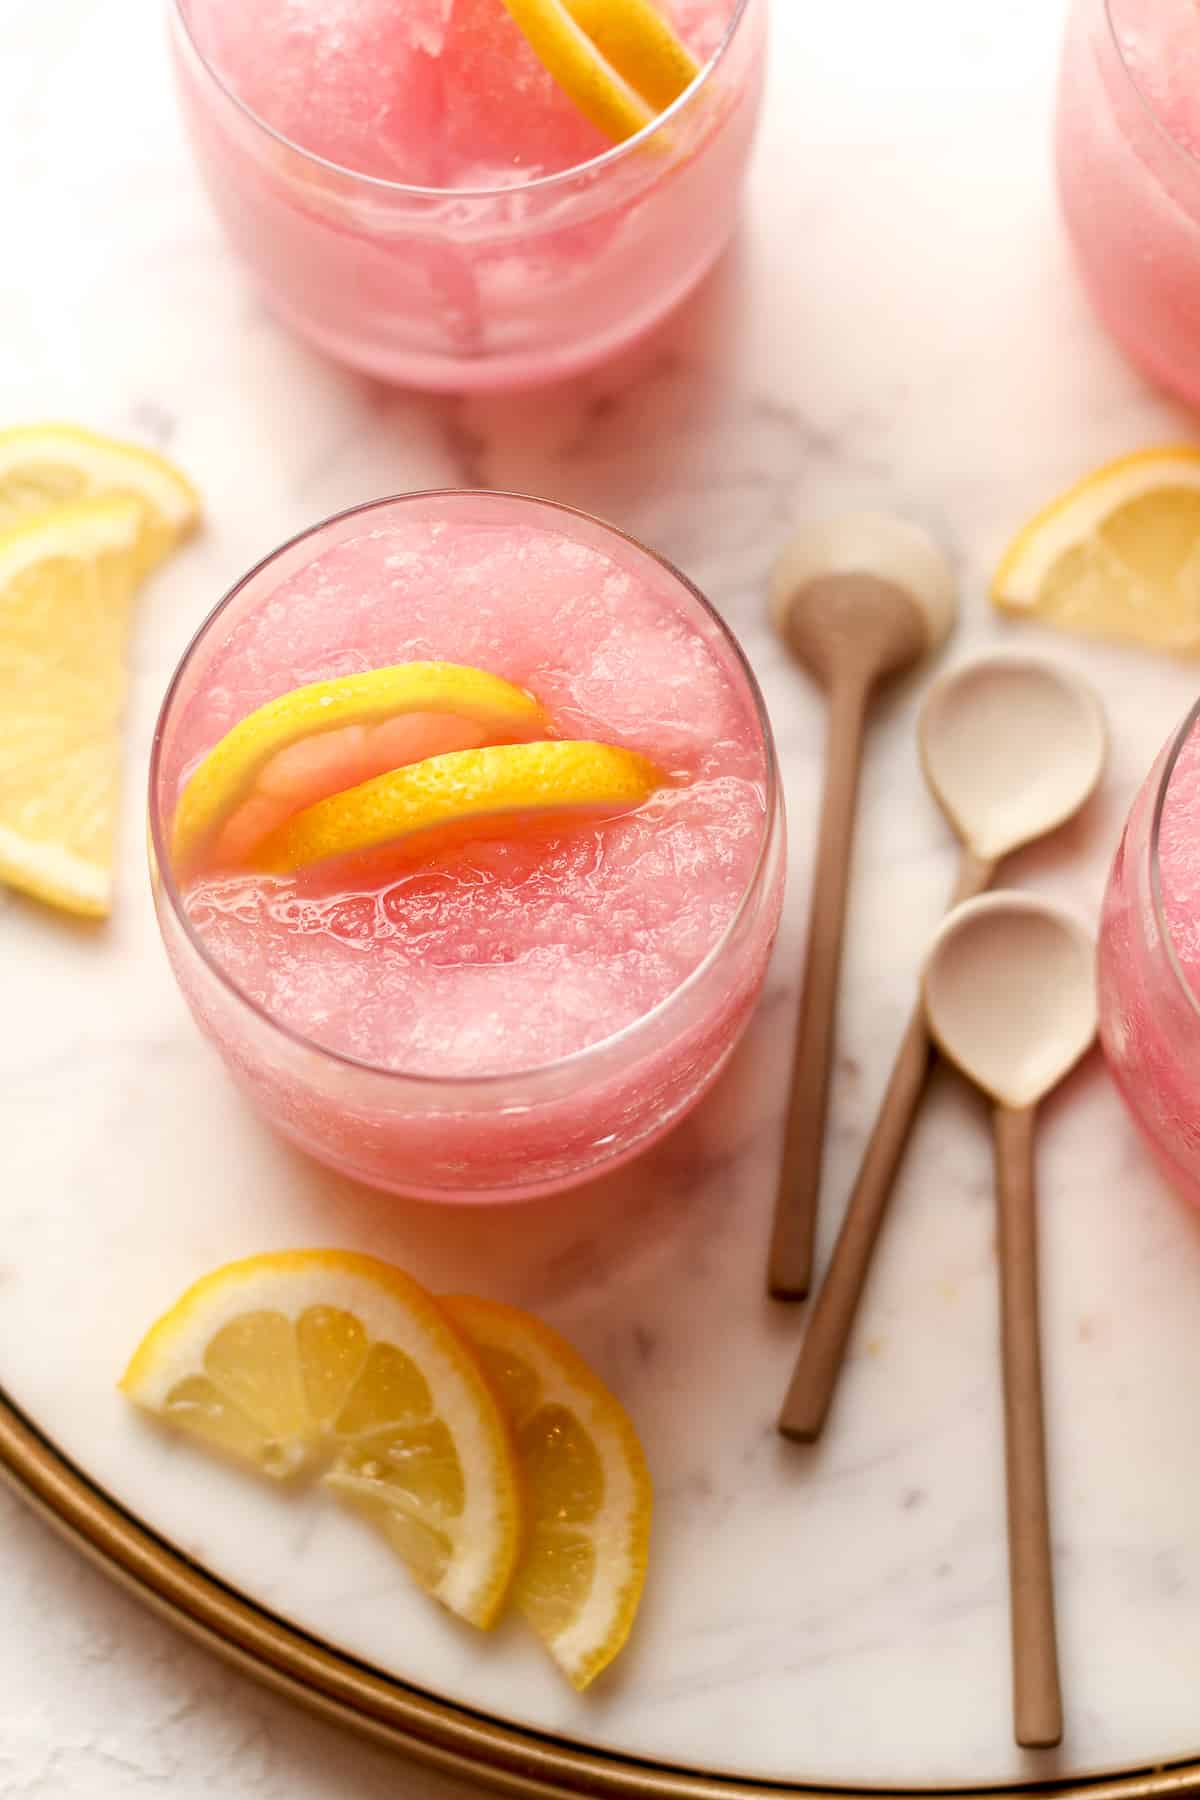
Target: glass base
x=491, y=374
x=511, y=1196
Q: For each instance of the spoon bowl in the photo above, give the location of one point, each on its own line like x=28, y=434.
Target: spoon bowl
x=862, y=588
x=1010, y=994
x=1012, y=746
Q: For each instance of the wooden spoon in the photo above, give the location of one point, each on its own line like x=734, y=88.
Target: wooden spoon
x=1010, y=996
x=1012, y=746
x=855, y=599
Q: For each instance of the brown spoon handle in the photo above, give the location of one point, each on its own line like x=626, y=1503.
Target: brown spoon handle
x=1037, y=1698
x=790, y=1267
x=809, y=1397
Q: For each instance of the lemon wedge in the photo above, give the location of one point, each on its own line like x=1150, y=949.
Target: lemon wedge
x=618, y=60
x=590, y=1499
x=48, y=465
x=1117, y=555
x=332, y=735
x=633, y=37
x=465, y=786
x=312, y=1360
x=67, y=583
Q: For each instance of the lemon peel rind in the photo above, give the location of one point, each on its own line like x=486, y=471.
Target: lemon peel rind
x=636, y=40
x=600, y=91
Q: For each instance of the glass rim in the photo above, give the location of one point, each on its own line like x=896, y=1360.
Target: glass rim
x=540, y=184
x=575, y=1059
x=1166, y=936
x=1143, y=98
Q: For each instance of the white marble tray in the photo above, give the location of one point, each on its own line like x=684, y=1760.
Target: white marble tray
x=898, y=326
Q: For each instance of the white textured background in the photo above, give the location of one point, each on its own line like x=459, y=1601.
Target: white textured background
x=99, y=1699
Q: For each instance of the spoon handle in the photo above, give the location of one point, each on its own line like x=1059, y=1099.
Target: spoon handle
x=1037, y=1699
x=811, y=1393
x=790, y=1266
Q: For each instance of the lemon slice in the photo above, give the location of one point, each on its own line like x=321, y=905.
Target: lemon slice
x=313, y=1359
x=67, y=582
x=1117, y=555
x=633, y=37
x=618, y=60
x=466, y=786
x=47, y=465
x=588, y=1489
x=331, y=735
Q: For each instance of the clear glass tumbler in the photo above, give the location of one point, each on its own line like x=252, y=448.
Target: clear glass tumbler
x=495, y=1136
x=1130, y=195
x=460, y=289
x=1149, y=1011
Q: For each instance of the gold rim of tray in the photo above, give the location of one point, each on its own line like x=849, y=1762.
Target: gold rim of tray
x=441, y=1735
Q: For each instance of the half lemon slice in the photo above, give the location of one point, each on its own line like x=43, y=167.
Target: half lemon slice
x=325, y=1359
x=67, y=583
x=618, y=60
x=464, y=787
x=52, y=464
x=1117, y=555
x=590, y=1499
x=332, y=735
